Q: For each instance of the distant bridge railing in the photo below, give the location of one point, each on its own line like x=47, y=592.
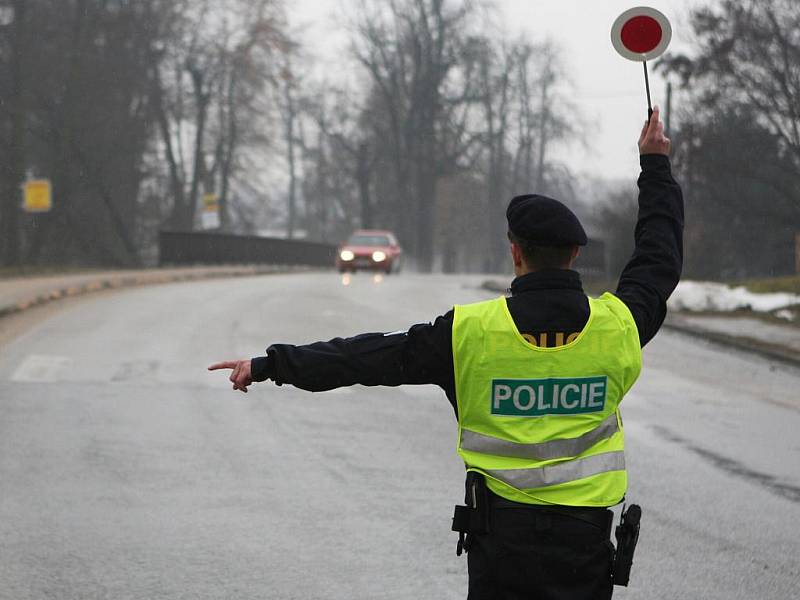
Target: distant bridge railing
x=591, y=263
x=194, y=248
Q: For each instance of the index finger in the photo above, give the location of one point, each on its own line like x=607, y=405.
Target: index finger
x=226, y=364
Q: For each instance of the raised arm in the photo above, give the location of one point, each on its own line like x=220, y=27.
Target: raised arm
x=654, y=269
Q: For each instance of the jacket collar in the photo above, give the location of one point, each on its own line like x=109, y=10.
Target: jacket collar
x=547, y=279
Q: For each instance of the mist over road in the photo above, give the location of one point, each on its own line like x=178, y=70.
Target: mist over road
x=129, y=471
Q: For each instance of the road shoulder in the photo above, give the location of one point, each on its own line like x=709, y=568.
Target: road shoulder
x=26, y=301
x=22, y=293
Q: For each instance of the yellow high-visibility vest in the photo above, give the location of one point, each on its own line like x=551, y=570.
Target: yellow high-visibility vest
x=543, y=424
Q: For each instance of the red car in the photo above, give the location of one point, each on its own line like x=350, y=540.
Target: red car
x=370, y=249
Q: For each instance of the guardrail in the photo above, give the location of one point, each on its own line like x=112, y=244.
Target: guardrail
x=201, y=248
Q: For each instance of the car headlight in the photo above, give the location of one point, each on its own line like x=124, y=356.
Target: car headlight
x=378, y=256
x=346, y=255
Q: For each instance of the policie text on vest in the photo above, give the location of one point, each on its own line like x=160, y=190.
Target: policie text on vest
x=554, y=396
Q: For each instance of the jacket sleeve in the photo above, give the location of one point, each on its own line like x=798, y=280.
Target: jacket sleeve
x=655, y=267
x=421, y=355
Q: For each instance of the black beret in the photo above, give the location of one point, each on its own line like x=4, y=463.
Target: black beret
x=544, y=222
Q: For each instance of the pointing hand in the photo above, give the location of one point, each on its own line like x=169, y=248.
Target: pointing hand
x=652, y=139
x=240, y=375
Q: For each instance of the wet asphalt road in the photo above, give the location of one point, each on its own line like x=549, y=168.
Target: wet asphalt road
x=128, y=471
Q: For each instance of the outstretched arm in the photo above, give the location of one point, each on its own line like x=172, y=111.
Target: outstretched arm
x=655, y=267
x=422, y=355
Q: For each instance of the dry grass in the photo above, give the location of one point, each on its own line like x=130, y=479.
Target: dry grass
x=789, y=284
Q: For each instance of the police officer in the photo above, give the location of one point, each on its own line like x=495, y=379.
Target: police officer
x=535, y=381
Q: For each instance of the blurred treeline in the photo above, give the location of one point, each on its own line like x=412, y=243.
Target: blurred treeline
x=737, y=149
x=137, y=109
x=133, y=109
x=427, y=125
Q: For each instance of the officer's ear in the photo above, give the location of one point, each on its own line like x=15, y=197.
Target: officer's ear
x=576, y=250
x=516, y=254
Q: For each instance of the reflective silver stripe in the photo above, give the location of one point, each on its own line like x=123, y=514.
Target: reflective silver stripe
x=563, y=448
x=571, y=470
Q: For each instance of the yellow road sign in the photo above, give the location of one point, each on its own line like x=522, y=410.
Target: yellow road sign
x=38, y=196
x=210, y=203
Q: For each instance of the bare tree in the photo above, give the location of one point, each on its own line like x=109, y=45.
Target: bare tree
x=520, y=115
x=349, y=130
x=250, y=62
x=493, y=95
x=544, y=120
x=409, y=49
x=330, y=186
x=222, y=61
x=289, y=109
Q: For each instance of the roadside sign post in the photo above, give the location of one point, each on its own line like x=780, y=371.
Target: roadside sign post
x=37, y=196
x=210, y=214
x=641, y=34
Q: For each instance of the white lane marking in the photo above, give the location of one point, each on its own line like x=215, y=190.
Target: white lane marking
x=41, y=367
x=135, y=370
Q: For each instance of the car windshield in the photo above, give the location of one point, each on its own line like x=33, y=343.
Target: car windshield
x=369, y=240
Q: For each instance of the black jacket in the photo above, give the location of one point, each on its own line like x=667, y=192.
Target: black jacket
x=548, y=305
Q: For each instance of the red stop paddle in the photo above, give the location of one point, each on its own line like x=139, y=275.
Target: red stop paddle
x=641, y=34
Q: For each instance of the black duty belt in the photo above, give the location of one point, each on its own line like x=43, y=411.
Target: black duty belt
x=474, y=518
x=601, y=518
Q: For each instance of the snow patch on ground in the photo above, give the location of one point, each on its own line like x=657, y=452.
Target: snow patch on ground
x=708, y=296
